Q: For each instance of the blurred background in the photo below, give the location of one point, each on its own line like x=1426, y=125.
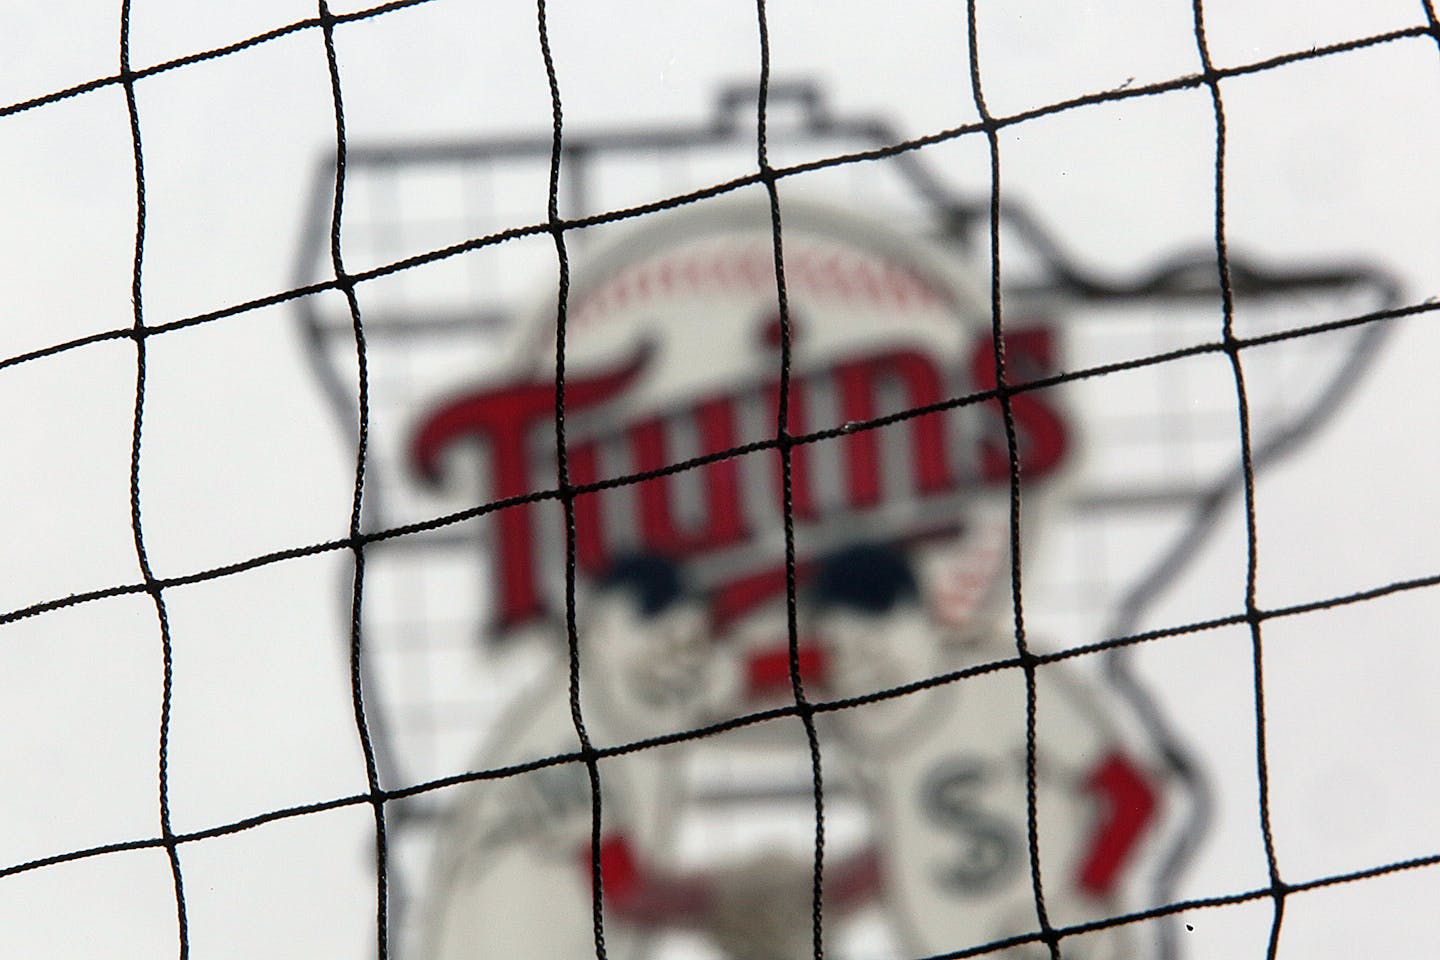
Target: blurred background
x=249, y=444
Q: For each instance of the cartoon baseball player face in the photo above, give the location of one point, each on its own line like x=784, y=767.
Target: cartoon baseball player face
x=647, y=650
x=897, y=502
x=877, y=635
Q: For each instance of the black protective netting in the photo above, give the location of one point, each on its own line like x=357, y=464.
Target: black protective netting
x=374, y=352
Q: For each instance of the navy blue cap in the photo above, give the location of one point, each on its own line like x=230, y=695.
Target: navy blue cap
x=654, y=581
x=869, y=577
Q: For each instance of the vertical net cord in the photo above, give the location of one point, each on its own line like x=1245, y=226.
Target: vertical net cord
x=562, y=472
x=783, y=447
x=1278, y=889
x=1002, y=392
x=357, y=548
x=152, y=586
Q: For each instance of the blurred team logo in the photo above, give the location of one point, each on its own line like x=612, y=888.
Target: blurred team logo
x=901, y=512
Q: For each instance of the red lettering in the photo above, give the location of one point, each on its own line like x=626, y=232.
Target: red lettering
x=507, y=422
x=590, y=552
x=724, y=521
x=1129, y=802
x=503, y=420
x=802, y=500
x=858, y=382
x=1039, y=431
